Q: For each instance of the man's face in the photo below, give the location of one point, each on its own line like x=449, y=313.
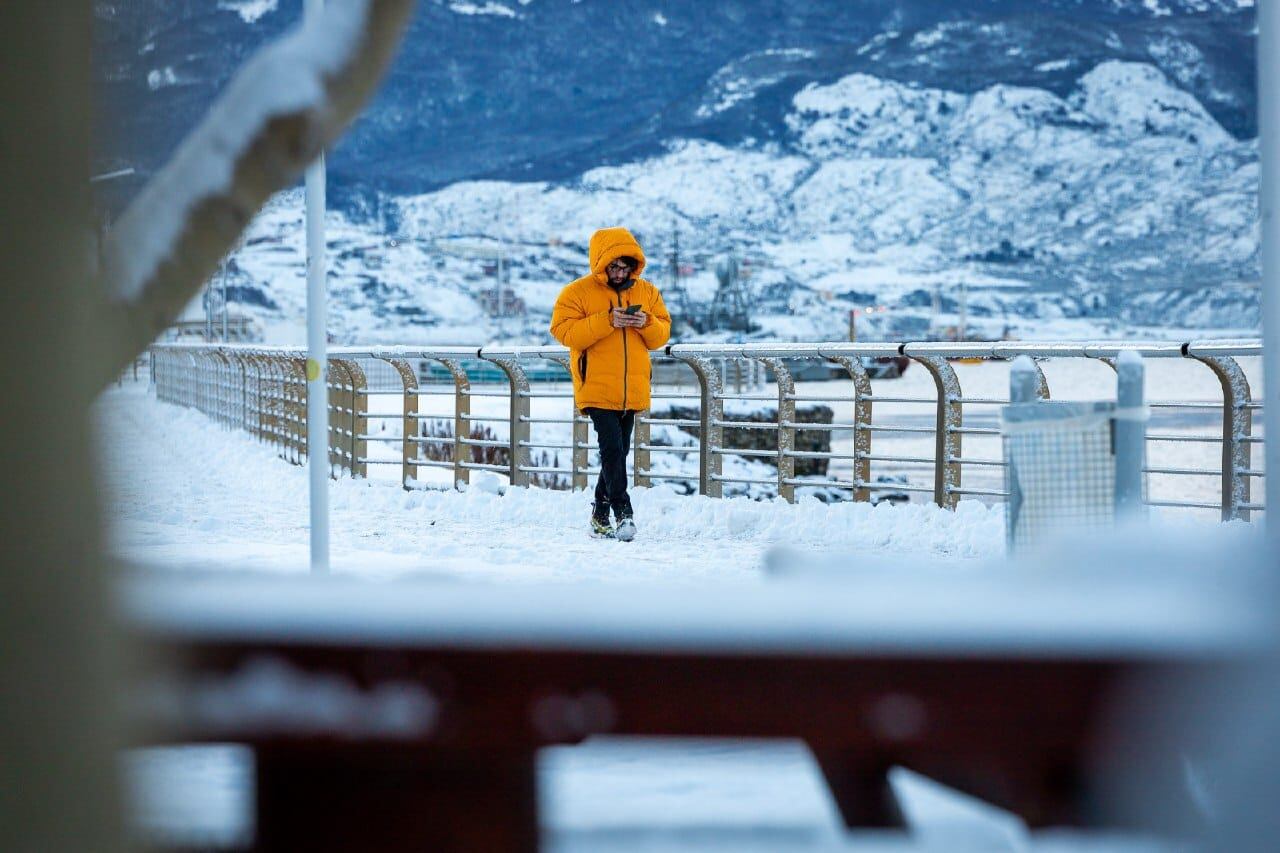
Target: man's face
x=618, y=271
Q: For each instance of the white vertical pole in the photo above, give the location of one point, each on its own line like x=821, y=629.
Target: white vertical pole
x=317, y=353
x=1269, y=148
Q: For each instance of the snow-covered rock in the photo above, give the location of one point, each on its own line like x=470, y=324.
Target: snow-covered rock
x=1138, y=100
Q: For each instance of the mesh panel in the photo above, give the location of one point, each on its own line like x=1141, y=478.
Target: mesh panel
x=1061, y=469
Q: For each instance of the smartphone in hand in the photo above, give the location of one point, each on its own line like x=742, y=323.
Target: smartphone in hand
x=631, y=309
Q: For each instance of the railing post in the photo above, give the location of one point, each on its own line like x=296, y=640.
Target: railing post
x=580, y=436
x=1237, y=425
x=581, y=453
x=242, y=392
x=351, y=416
x=253, y=401
x=946, y=468
x=861, y=420
x=518, y=441
x=641, y=457
x=359, y=420
x=710, y=433
x=786, y=416
x=1024, y=378
x=271, y=416
x=409, y=426
x=461, y=425
x=1130, y=431
x=340, y=408
x=297, y=408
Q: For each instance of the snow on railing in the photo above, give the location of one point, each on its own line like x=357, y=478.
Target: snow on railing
x=791, y=402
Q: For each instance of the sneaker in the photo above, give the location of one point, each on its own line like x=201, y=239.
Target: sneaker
x=600, y=527
x=626, y=529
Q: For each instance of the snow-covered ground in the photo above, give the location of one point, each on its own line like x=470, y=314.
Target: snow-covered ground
x=187, y=494
x=184, y=494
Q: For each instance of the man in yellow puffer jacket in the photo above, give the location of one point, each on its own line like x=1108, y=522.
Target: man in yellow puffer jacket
x=610, y=320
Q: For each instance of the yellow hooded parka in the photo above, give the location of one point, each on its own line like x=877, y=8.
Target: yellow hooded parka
x=610, y=366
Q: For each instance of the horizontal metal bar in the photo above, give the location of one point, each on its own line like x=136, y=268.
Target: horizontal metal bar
x=484, y=442
x=817, y=398
x=899, y=487
x=983, y=401
x=468, y=392
x=1185, y=504
x=679, y=422
x=816, y=426
x=551, y=446
x=1152, y=436
x=998, y=463
x=1191, y=472
x=432, y=439
x=429, y=463
x=748, y=480
x=1184, y=404
x=880, y=457
x=880, y=428
x=394, y=438
x=654, y=475
x=976, y=430
x=535, y=469
x=1252, y=506
x=909, y=460
x=991, y=493
x=545, y=394
x=666, y=448
x=370, y=461
x=485, y=466
x=880, y=398
x=835, y=484
x=750, y=452
x=744, y=424
x=1251, y=472
x=814, y=454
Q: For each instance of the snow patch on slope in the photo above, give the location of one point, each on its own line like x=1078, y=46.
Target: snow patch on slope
x=493, y=9
x=249, y=10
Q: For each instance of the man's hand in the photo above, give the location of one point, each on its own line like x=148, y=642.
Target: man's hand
x=620, y=319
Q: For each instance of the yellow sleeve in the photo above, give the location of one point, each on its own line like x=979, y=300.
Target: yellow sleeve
x=657, y=331
x=572, y=326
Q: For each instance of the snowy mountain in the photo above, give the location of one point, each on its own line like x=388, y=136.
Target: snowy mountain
x=1081, y=160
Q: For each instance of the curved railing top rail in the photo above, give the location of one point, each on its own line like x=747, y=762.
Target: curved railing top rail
x=968, y=349
x=405, y=352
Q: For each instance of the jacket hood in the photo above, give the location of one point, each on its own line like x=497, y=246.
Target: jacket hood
x=609, y=244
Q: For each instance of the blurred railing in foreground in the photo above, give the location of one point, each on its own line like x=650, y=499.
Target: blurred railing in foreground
x=529, y=432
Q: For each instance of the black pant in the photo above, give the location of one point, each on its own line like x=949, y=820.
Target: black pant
x=613, y=431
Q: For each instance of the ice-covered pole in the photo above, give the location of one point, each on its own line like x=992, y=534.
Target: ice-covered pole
x=1130, y=436
x=1269, y=147
x=317, y=352
x=1024, y=382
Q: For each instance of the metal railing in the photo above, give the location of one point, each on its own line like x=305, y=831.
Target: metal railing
x=263, y=390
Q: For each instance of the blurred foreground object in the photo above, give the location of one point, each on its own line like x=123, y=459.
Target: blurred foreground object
x=407, y=716
x=58, y=720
